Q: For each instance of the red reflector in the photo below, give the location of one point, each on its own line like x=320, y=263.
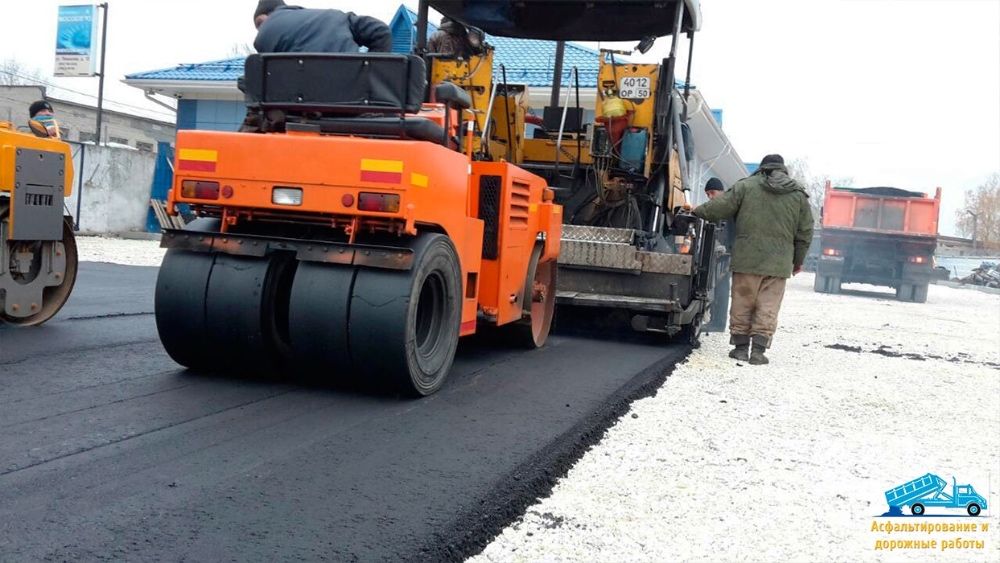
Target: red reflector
x=383, y=203
x=197, y=189
x=227, y=192
x=347, y=200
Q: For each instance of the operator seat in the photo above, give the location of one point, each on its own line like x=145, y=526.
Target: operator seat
x=348, y=93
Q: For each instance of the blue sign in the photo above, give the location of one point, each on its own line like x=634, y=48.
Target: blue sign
x=75, y=37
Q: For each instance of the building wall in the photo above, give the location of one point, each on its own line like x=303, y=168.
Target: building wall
x=79, y=122
x=115, y=184
x=212, y=115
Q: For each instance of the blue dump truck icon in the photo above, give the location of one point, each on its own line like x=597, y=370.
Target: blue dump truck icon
x=929, y=490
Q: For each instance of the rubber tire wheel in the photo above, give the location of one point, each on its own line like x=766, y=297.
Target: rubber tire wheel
x=904, y=292
x=53, y=298
x=920, y=293
x=819, y=285
x=246, y=311
x=404, y=326
x=973, y=509
x=179, y=307
x=532, y=331
x=179, y=302
x=917, y=509
x=319, y=317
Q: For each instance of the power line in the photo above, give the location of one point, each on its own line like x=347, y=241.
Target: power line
x=57, y=87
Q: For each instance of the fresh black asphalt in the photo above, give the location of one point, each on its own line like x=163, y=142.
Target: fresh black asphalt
x=110, y=451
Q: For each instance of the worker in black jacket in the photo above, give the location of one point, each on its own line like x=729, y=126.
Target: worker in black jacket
x=292, y=29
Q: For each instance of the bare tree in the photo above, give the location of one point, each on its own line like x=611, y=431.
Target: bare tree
x=240, y=50
x=815, y=184
x=980, y=217
x=16, y=73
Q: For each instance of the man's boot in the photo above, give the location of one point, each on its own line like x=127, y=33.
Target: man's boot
x=741, y=352
x=757, y=357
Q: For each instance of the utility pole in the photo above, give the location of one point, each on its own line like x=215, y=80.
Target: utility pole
x=100, y=85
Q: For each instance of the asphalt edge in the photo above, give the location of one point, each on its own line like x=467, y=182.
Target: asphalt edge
x=471, y=532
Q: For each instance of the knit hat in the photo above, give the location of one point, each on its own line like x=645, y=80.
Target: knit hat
x=773, y=159
x=38, y=106
x=265, y=7
x=714, y=184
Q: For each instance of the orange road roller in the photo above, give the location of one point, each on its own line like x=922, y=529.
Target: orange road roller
x=349, y=229
x=38, y=259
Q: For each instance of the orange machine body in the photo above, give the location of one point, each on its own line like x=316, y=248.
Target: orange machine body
x=428, y=186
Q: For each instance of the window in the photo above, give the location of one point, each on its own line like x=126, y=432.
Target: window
x=145, y=147
x=118, y=140
x=87, y=137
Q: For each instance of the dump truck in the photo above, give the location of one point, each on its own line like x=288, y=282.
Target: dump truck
x=929, y=490
x=879, y=236
x=350, y=231
x=624, y=177
x=38, y=258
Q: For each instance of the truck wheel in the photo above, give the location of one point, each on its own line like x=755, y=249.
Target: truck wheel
x=917, y=509
x=904, y=292
x=820, y=284
x=833, y=284
x=920, y=293
x=973, y=509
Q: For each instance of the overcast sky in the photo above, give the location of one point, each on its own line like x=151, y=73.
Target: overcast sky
x=887, y=92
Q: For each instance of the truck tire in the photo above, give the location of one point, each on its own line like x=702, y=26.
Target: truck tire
x=827, y=284
x=973, y=509
x=819, y=286
x=916, y=293
x=917, y=509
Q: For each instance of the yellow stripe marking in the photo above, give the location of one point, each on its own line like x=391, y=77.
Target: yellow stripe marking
x=202, y=155
x=418, y=180
x=533, y=208
x=369, y=165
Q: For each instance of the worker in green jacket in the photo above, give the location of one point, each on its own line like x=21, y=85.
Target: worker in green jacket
x=774, y=227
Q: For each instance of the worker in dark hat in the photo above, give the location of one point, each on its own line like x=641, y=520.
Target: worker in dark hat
x=450, y=39
x=774, y=227
x=42, y=119
x=714, y=188
x=293, y=29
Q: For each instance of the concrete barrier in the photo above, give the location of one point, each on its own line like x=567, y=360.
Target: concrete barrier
x=115, y=185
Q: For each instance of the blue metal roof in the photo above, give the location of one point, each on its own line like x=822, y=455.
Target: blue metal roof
x=224, y=70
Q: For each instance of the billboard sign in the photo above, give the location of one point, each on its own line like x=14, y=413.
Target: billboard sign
x=76, y=34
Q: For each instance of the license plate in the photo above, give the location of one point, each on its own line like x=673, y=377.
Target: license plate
x=634, y=87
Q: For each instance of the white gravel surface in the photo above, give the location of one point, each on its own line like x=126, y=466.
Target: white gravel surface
x=790, y=461
x=119, y=251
